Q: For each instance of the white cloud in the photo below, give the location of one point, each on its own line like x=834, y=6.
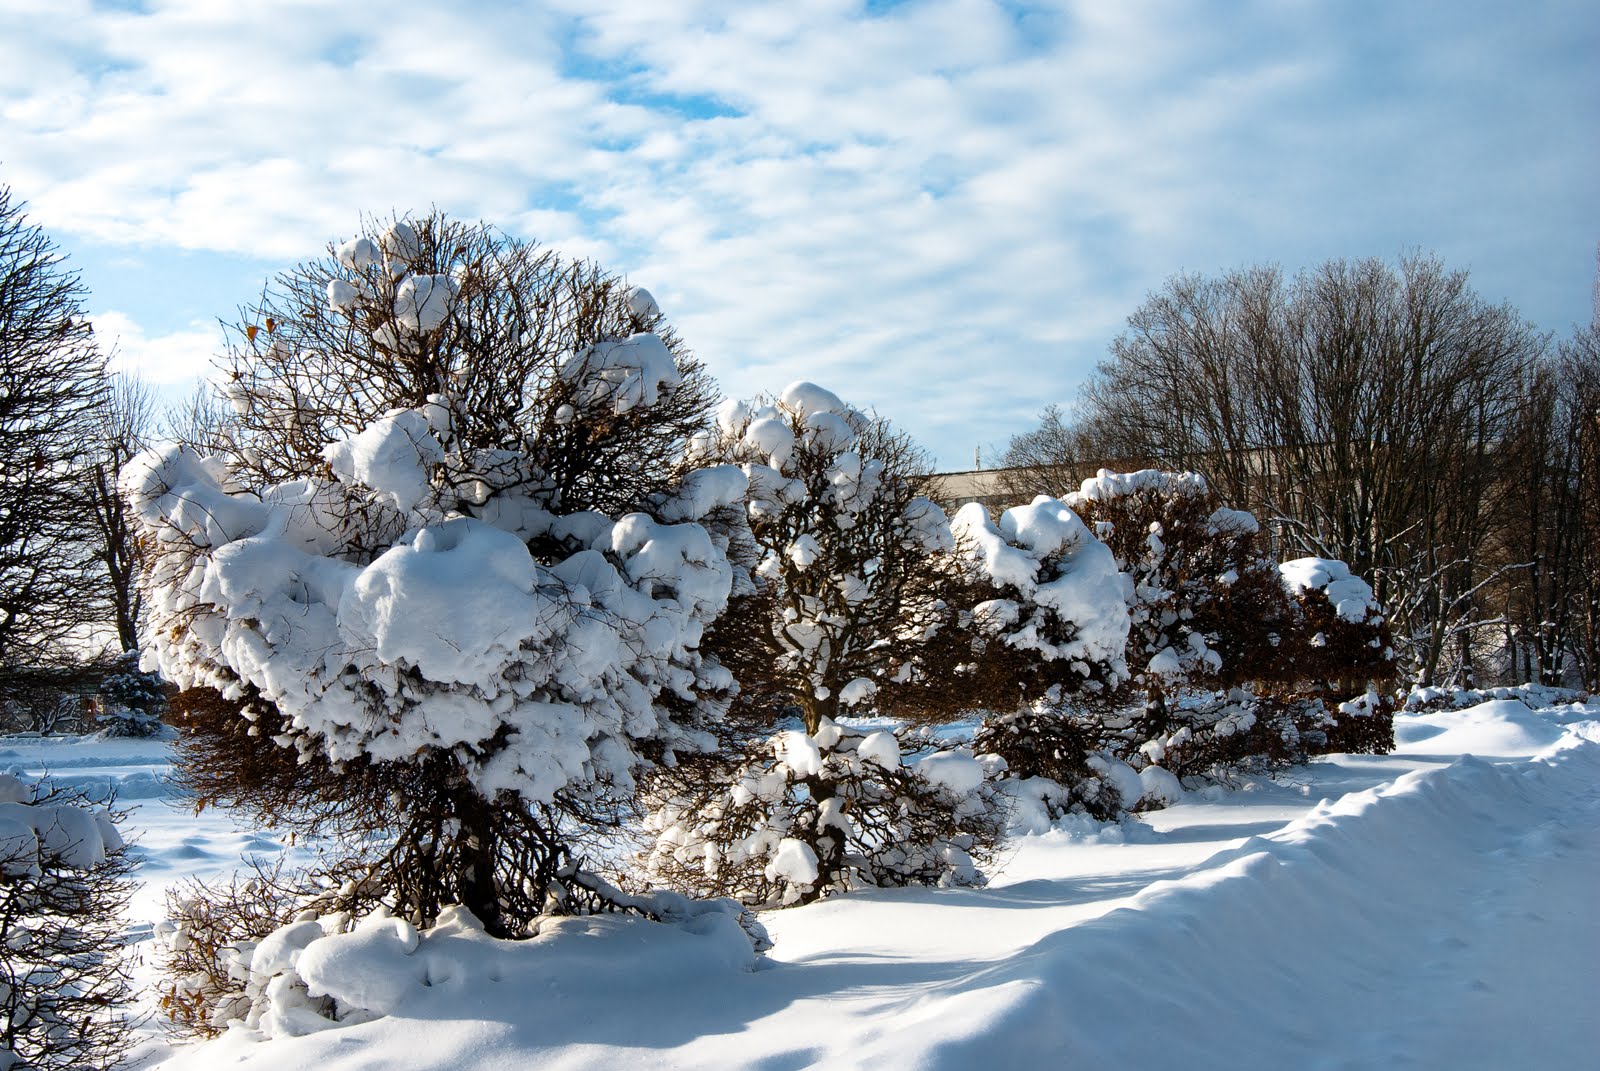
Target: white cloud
x=174, y=358
x=944, y=210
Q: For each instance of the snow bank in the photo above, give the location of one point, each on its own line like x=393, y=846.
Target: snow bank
x=327, y=975
x=1264, y=913
x=38, y=836
x=1500, y=728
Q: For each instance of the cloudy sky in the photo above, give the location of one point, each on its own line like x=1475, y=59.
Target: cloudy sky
x=941, y=208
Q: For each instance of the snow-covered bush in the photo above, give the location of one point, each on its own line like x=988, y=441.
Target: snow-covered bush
x=1221, y=660
x=1230, y=656
x=1533, y=696
x=851, y=568
x=850, y=556
x=1050, y=756
x=810, y=814
x=449, y=558
x=1053, y=611
x=1341, y=655
x=1046, y=621
x=62, y=889
x=320, y=970
x=131, y=700
x=208, y=936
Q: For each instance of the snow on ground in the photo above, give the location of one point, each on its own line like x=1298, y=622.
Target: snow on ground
x=1421, y=910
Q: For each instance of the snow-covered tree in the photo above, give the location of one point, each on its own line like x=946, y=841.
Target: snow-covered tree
x=446, y=570
x=851, y=566
x=131, y=700
x=1047, y=619
x=63, y=885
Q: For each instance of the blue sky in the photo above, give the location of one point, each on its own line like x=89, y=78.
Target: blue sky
x=941, y=209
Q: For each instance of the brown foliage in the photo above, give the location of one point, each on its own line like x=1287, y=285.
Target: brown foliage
x=415, y=836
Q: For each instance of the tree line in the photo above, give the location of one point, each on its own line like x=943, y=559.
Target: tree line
x=1386, y=415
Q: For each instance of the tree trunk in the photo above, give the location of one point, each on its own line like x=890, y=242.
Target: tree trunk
x=475, y=856
x=813, y=710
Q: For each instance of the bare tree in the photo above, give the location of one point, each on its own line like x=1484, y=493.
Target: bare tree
x=1358, y=407
x=200, y=419
x=1549, y=517
x=1050, y=459
x=129, y=416
x=52, y=393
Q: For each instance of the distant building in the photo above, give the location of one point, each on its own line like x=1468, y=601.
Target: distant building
x=996, y=489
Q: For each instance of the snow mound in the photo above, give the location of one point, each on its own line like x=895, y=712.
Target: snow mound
x=326, y=975
x=1500, y=727
x=1350, y=595
x=35, y=836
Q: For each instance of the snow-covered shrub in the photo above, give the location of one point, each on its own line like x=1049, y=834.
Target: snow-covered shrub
x=207, y=939
x=1051, y=752
x=1534, y=696
x=1045, y=621
x=63, y=885
x=1341, y=656
x=851, y=566
x=850, y=556
x=449, y=557
x=1048, y=602
x=131, y=700
x=1223, y=661
x=810, y=814
x=1234, y=662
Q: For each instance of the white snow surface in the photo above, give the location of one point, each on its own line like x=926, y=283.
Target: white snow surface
x=1106, y=485
x=1350, y=595
x=1426, y=910
x=1053, y=572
